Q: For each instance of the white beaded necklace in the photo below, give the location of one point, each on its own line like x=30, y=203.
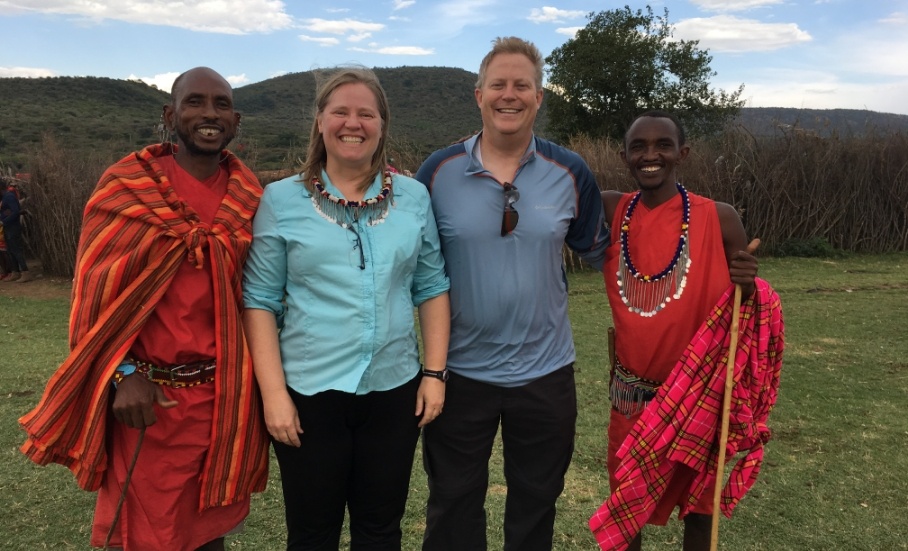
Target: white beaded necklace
x=340, y=211
x=646, y=294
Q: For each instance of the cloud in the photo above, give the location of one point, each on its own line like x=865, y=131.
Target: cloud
x=401, y=4
x=733, y=5
x=727, y=33
x=26, y=72
x=163, y=81
x=320, y=40
x=395, y=50
x=818, y=89
x=895, y=18
x=341, y=26
x=237, y=80
x=548, y=14
x=213, y=16
x=359, y=37
x=869, y=53
x=568, y=31
x=457, y=14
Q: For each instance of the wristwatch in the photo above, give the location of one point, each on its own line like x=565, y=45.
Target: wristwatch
x=440, y=375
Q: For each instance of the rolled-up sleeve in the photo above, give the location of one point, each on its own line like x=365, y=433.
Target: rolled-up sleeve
x=429, y=278
x=265, y=272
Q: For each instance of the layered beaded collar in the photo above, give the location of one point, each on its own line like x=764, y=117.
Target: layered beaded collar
x=343, y=212
x=647, y=294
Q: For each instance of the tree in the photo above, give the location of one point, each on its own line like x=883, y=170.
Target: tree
x=623, y=63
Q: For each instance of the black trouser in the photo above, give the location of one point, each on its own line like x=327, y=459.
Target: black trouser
x=357, y=452
x=12, y=233
x=537, y=431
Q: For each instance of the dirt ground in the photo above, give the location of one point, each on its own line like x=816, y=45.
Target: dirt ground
x=40, y=287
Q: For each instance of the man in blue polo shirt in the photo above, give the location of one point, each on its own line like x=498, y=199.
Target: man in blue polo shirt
x=506, y=202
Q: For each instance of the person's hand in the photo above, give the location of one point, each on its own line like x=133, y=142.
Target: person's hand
x=430, y=399
x=742, y=268
x=282, y=418
x=135, y=399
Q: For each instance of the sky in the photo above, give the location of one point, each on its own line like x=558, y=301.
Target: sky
x=811, y=54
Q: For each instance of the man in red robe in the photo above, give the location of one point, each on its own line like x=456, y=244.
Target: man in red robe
x=672, y=257
x=159, y=366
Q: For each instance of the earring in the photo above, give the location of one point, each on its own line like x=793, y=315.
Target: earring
x=162, y=131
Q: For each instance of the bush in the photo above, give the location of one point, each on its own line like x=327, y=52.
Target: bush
x=61, y=182
x=816, y=247
x=809, y=193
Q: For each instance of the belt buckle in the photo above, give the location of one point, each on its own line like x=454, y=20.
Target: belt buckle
x=173, y=372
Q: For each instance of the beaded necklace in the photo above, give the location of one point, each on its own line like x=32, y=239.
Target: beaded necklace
x=646, y=294
x=341, y=211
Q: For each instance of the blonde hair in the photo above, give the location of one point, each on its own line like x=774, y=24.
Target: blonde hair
x=512, y=45
x=317, y=155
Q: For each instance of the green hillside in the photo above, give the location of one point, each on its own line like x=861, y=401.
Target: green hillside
x=84, y=113
x=430, y=106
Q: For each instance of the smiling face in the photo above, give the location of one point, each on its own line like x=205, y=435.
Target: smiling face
x=351, y=126
x=202, y=113
x=652, y=152
x=509, y=98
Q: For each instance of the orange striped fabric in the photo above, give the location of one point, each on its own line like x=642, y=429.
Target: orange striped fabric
x=136, y=232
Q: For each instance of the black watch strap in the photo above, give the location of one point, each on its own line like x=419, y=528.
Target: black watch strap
x=440, y=375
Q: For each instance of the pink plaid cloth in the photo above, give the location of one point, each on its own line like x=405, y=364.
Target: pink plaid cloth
x=681, y=425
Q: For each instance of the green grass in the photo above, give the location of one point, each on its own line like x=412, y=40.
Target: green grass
x=833, y=479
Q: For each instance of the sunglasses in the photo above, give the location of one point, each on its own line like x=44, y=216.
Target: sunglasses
x=509, y=217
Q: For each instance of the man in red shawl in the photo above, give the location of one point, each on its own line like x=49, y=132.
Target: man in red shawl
x=159, y=365
x=673, y=256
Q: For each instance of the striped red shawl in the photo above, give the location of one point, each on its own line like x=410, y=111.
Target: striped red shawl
x=681, y=425
x=135, y=234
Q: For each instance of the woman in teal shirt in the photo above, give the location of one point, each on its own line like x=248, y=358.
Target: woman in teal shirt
x=340, y=257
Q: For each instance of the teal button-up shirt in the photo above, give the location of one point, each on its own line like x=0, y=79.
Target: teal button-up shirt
x=344, y=326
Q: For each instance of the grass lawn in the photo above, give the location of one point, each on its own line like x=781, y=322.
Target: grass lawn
x=834, y=476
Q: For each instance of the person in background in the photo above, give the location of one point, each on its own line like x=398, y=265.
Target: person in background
x=6, y=264
x=341, y=255
x=507, y=202
x=159, y=382
x=11, y=220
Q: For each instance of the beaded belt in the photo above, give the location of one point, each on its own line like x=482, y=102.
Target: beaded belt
x=629, y=393
x=177, y=376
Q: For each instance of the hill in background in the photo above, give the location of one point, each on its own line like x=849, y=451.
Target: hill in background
x=430, y=106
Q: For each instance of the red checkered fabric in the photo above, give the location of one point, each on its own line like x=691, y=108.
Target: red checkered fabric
x=681, y=426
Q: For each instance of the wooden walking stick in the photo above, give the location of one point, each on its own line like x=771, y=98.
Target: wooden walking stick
x=726, y=410
x=132, y=466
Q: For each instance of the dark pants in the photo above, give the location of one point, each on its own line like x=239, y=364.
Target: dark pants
x=537, y=432
x=15, y=246
x=356, y=453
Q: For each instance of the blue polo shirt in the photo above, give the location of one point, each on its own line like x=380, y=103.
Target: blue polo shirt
x=509, y=294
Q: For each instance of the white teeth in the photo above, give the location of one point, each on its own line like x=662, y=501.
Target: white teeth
x=209, y=131
x=509, y=111
x=351, y=139
x=649, y=169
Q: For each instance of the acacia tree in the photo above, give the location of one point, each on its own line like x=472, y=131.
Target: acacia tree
x=623, y=63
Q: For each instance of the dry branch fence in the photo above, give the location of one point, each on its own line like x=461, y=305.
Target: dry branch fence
x=849, y=193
